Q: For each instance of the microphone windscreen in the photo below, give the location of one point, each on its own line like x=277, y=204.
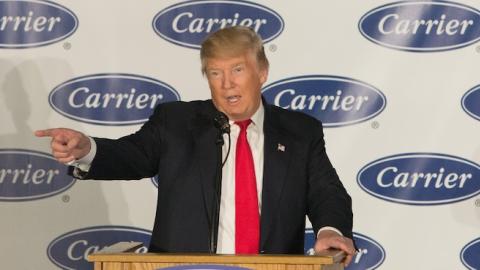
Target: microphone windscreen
x=221, y=122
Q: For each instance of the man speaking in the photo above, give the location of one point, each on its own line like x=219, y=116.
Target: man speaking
x=273, y=163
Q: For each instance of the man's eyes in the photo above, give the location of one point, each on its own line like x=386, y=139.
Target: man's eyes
x=238, y=69
x=213, y=73
x=217, y=73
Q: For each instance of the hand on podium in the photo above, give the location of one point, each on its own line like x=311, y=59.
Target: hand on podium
x=328, y=239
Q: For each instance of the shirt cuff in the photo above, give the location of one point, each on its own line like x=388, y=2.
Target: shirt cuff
x=85, y=162
x=329, y=229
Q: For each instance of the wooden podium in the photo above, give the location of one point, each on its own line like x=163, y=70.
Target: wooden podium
x=329, y=260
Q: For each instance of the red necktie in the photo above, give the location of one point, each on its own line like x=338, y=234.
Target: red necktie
x=247, y=220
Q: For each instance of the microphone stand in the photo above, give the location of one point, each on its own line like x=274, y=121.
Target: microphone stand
x=221, y=123
x=218, y=193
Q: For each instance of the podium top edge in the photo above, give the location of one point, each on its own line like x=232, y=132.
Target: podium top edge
x=327, y=257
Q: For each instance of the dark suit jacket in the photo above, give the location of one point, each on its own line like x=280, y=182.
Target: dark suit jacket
x=178, y=144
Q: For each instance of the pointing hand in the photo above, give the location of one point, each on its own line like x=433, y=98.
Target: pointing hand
x=67, y=144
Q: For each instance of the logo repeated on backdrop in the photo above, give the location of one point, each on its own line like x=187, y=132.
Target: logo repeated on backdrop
x=188, y=23
x=422, y=26
x=471, y=102
x=370, y=253
x=336, y=101
x=70, y=250
x=30, y=175
x=470, y=255
x=34, y=23
x=110, y=99
x=420, y=178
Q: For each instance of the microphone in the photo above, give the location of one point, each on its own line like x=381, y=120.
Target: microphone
x=221, y=122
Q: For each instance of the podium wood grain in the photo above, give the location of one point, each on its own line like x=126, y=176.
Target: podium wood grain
x=329, y=260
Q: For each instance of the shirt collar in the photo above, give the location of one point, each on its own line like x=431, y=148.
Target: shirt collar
x=257, y=118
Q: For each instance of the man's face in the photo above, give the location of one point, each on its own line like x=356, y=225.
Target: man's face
x=235, y=84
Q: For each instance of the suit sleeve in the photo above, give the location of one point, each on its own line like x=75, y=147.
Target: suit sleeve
x=134, y=156
x=328, y=202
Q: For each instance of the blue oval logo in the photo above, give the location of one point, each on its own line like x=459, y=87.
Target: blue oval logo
x=30, y=175
x=420, y=178
x=471, y=102
x=336, y=101
x=70, y=250
x=370, y=253
x=422, y=26
x=469, y=254
x=110, y=99
x=34, y=23
x=189, y=23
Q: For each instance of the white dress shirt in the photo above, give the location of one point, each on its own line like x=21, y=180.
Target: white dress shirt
x=255, y=138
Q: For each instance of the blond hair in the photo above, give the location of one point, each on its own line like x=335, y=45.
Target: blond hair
x=231, y=42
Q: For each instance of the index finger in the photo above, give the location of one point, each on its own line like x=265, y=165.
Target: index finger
x=46, y=132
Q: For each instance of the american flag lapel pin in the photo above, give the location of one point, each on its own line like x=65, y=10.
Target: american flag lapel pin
x=281, y=147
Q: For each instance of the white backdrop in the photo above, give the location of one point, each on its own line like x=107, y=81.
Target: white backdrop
x=51, y=223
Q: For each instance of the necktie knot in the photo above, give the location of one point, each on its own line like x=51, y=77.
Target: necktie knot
x=243, y=124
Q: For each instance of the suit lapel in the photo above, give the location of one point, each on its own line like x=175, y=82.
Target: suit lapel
x=276, y=159
x=204, y=136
